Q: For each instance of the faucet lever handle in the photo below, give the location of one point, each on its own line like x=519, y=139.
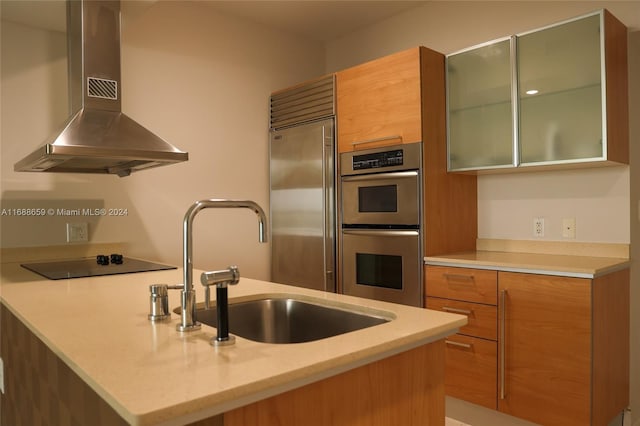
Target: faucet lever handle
x=221, y=278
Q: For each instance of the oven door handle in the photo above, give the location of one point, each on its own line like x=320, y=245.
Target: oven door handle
x=381, y=176
x=381, y=233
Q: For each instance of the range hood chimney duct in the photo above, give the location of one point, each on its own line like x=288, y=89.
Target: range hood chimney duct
x=98, y=137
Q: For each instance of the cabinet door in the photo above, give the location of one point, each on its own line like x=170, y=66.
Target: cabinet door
x=556, y=96
x=545, y=348
x=560, y=92
x=379, y=102
x=480, y=108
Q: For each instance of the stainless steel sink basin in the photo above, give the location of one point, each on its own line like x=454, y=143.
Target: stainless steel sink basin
x=289, y=320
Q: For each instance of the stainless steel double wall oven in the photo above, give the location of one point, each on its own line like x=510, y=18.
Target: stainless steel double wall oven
x=381, y=218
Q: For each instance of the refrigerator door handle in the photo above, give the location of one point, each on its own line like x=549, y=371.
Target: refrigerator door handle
x=328, y=182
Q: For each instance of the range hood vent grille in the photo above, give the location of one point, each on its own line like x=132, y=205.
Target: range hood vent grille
x=101, y=88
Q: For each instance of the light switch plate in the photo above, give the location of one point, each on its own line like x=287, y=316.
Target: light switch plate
x=569, y=227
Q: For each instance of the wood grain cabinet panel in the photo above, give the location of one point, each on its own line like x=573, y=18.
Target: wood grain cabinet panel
x=405, y=389
x=482, y=319
x=378, y=103
x=471, y=370
x=565, y=347
x=547, y=348
x=471, y=355
x=471, y=285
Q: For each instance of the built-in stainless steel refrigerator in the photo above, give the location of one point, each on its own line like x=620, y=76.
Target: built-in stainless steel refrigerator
x=302, y=196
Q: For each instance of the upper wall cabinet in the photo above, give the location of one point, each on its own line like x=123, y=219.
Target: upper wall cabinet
x=480, y=107
x=378, y=103
x=554, y=97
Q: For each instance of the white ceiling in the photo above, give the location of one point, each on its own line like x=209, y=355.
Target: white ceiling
x=330, y=19
x=316, y=20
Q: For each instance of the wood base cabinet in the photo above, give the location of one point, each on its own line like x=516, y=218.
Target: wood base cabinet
x=564, y=347
x=562, y=344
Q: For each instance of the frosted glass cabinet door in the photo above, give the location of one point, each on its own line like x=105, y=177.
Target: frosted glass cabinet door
x=560, y=92
x=479, y=107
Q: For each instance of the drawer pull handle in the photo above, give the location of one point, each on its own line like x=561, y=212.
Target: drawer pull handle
x=503, y=312
x=457, y=311
x=459, y=277
x=461, y=345
x=384, y=138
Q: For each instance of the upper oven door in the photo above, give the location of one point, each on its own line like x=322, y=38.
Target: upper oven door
x=381, y=199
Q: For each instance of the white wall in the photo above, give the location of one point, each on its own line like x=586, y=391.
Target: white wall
x=603, y=201
x=196, y=78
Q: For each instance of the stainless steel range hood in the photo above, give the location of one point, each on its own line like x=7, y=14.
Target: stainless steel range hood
x=98, y=137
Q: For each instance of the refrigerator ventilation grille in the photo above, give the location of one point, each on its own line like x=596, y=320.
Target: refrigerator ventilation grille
x=310, y=101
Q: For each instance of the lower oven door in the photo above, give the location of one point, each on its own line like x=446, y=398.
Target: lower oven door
x=383, y=265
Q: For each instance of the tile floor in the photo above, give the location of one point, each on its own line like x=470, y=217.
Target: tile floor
x=451, y=422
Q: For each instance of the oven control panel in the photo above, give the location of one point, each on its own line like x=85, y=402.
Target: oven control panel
x=384, y=159
x=378, y=160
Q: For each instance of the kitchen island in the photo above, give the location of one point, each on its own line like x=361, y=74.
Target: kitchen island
x=83, y=349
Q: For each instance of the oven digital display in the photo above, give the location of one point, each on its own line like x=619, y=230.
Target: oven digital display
x=378, y=199
x=379, y=270
x=378, y=159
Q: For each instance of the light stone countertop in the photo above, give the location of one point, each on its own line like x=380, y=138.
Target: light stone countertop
x=152, y=374
x=536, y=263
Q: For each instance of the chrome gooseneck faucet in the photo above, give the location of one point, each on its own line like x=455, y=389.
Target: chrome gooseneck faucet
x=188, y=295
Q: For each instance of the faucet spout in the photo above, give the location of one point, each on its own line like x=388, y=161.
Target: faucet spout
x=188, y=297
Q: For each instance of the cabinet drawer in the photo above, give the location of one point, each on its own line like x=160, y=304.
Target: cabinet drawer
x=483, y=319
x=471, y=285
x=471, y=370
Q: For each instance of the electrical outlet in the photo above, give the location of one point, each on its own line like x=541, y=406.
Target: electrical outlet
x=538, y=226
x=77, y=232
x=569, y=227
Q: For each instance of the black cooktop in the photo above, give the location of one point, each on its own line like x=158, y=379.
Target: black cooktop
x=93, y=267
